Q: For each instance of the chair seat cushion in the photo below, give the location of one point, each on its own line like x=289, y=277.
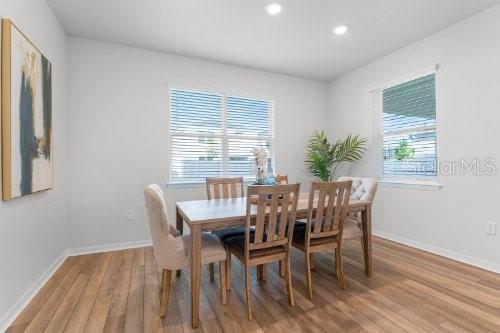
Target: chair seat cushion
x=300, y=227
x=211, y=247
x=302, y=224
x=352, y=229
x=224, y=234
x=299, y=234
x=237, y=246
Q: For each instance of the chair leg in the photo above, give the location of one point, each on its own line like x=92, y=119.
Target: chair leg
x=339, y=268
x=162, y=281
x=228, y=270
x=166, y=282
x=289, y=288
x=211, y=269
x=223, y=282
x=282, y=268
x=311, y=260
x=308, y=274
x=258, y=269
x=263, y=272
x=248, y=295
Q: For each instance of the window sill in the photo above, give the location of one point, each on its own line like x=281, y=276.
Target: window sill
x=418, y=184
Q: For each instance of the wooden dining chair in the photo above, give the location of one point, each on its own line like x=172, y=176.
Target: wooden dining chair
x=224, y=188
x=273, y=232
x=171, y=250
x=262, y=269
x=281, y=179
x=327, y=210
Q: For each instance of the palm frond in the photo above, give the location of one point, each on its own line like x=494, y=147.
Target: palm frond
x=318, y=156
x=351, y=149
x=323, y=158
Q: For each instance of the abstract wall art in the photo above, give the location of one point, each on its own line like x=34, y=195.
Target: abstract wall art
x=26, y=116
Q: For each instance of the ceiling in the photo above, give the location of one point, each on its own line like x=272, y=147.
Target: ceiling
x=299, y=41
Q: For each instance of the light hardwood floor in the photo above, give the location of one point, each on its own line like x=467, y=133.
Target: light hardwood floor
x=410, y=290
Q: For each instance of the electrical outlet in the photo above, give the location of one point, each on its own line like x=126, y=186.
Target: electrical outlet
x=490, y=228
x=130, y=215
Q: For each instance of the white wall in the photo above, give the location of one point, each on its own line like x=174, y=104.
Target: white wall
x=118, y=130
x=450, y=221
x=33, y=228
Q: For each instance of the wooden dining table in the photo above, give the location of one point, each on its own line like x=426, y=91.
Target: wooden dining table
x=215, y=214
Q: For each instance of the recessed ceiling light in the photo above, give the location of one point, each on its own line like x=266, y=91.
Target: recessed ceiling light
x=274, y=9
x=340, y=30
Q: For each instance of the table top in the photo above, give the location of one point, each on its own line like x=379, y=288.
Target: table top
x=220, y=210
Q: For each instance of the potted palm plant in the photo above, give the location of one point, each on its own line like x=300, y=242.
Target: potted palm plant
x=323, y=158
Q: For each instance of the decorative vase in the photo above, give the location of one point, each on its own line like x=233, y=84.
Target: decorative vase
x=261, y=162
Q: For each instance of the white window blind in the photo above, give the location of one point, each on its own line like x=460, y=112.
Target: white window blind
x=409, y=128
x=212, y=135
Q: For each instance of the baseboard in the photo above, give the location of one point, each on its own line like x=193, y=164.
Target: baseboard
x=24, y=300
x=483, y=264
x=28, y=295
x=108, y=247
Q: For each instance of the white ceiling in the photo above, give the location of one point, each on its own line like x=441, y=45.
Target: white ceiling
x=299, y=41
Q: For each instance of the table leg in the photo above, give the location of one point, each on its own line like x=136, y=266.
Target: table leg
x=180, y=228
x=195, y=274
x=366, y=219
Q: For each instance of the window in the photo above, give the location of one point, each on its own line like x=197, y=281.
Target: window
x=408, y=136
x=212, y=135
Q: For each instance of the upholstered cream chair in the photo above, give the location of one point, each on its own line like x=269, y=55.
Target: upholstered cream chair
x=172, y=250
x=362, y=189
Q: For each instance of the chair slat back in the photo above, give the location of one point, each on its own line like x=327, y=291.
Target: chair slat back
x=276, y=207
x=223, y=188
x=281, y=179
x=328, y=204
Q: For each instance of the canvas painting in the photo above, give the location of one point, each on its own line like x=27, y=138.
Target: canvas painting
x=26, y=116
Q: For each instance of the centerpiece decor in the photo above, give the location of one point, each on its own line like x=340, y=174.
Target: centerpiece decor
x=261, y=162
x=264, y=175
x=323, y=158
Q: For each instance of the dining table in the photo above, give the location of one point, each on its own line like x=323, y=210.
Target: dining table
x=216, y=214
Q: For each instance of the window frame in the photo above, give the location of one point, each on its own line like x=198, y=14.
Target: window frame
x=224, y=136
x=407, y=181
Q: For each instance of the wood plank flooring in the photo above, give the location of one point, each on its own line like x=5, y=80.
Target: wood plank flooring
x=410, y=291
